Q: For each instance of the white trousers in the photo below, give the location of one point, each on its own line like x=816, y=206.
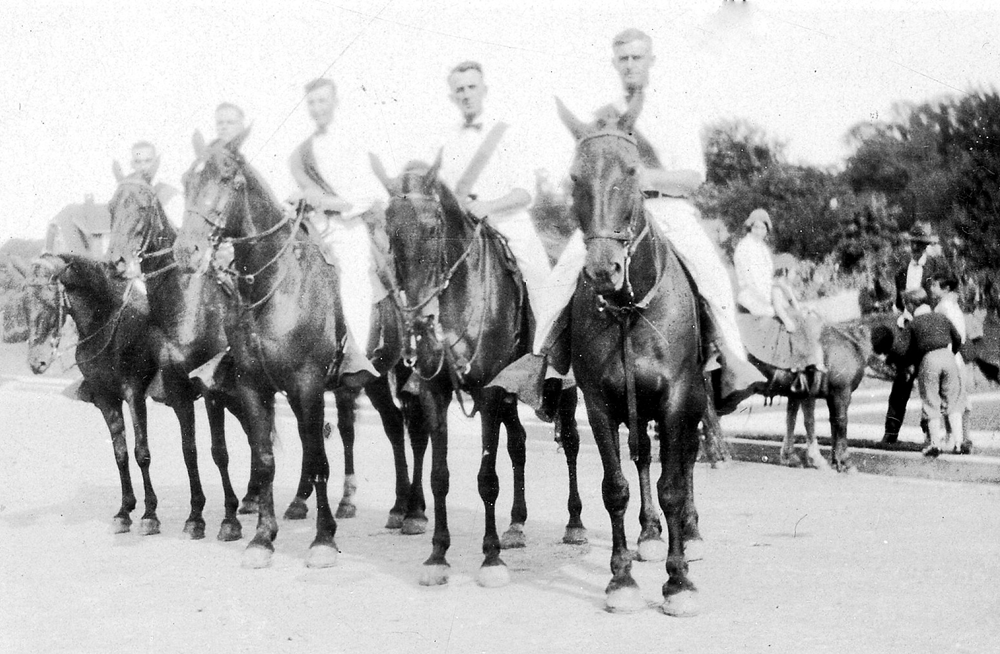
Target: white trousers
x=681, y=222
x=351, y=245
x=549, y=287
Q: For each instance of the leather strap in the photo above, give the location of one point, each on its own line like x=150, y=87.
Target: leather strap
x=479, y=160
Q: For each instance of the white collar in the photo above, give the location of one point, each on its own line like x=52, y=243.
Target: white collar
x=922, y=261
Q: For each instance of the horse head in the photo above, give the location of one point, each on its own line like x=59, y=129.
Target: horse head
x=607, y=199
x=139, y=225
x=216, y=202
x=47, y=310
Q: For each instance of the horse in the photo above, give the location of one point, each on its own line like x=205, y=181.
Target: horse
x=636, y=354
x=847, y=349
x=466, y=317
x=187, y=331
x=112, y=351
x=285, y=327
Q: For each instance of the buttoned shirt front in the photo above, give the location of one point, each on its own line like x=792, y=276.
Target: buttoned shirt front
x=342, y=160
x=915, y=272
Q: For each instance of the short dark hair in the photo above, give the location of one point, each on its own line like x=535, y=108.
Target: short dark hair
x=466, y=65
x=230, y=105
x=143, y=144
x=319, y=83
x=629, y=35
x=945, y=278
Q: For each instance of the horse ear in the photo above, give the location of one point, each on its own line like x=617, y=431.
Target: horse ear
x=627, y=121
x=20, y=266
x=198, y=141
x=233, y=145
x=572, y=123
x=430, y=177
x=116, y=170
x=379, y=170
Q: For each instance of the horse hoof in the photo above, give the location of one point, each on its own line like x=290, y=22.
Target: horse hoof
x=434, y=574
x=395, y=520
x=195, y=529
x=247, y=507
x=721, y=464
x=230, y=531
x=297, y=510
x=149, y=527
x=120, y=525
x=493, y=576
x=322, y=556
x=624, y=600
x=681, y=605
x=414, y=526
x=256, y=557
x=791, y=460
x=346, y=511
x=694, y=550
x=575, y=536
x=653, y=549
x=513, y=538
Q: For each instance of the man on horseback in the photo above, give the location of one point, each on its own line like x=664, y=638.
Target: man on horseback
x=481, y=164
x=229, y=121
x=332, y=170
x=145, y=161
x=673, y=167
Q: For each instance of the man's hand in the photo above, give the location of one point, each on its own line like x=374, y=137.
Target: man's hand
x=478, y=208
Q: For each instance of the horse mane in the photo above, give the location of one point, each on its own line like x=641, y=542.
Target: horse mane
x=95, y=278
x=162, y=229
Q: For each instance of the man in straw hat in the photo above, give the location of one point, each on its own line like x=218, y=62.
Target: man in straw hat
x=914, y=275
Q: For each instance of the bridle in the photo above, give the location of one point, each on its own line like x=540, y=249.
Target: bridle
x=140, y=253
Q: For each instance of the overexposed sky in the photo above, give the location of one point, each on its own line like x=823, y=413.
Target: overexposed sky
x=81, y=81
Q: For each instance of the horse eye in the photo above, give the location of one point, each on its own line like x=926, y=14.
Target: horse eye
x=632, y=170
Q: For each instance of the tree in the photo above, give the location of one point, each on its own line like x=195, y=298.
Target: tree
x=736, y=150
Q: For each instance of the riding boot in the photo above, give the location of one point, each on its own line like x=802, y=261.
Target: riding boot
x=818, y=383
x=954, y=441
x=524, y=377
x=738, y=379
x=355, y=369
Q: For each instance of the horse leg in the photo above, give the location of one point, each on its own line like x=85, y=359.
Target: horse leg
x=788, y=455
x=297, y=508
x=136, y=400
x=114, y=418
x=814, y=458
x=838, y=402
x=347, y=410
x=569, y=436
x=622, y=593
x=250, y=502
x=392, y=423
x=258, y=408
x=493, y=571
x=307, y=405
x=231, y=528
x=516, y=449
x=415, y=517
x=435, y=414
x=650, y=545
x=678, y=453
x=194, y=526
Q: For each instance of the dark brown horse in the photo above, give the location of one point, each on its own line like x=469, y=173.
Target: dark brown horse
x=113, y=353
x=467, y=317
x=636, y=352
x=187, y=319
x=285, y=327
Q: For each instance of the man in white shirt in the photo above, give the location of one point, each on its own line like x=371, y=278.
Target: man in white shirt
x=499, y=195
x=334, y=176
x=229, y=121
x=673, y=169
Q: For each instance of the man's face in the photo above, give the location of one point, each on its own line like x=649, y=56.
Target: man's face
x=633, y=61
x=935, y=290
x=142, y=159
x=228, y=123
x=468, y=92
x=321, y=102
x=917, y=249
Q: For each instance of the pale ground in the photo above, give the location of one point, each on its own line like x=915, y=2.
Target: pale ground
x=794, y=560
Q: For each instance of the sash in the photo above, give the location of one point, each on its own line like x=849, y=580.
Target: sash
x=479, y=160
x=304, y=168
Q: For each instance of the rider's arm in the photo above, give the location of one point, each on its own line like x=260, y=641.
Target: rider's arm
x=516, y=199
x=675, y=183
x=780, y=302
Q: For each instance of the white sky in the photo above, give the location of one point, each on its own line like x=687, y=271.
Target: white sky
x=82, y=81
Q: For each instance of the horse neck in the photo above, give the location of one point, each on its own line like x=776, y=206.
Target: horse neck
x=92, y=300
x=263, y=213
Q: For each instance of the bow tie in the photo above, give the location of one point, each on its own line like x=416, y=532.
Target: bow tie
x=476, y=126
x=320, y=130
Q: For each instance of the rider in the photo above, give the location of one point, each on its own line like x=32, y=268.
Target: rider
x=780, y=322
x=333, y=173
x=499, y=195
x=229, y=121
x=145, y=161
x=668, y=178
